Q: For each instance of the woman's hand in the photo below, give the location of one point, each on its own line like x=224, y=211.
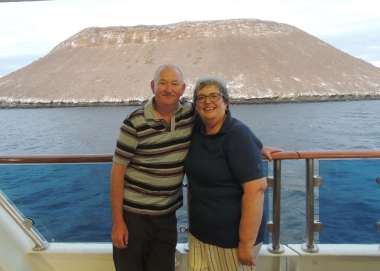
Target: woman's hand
x=245, y=254
x=268, y=151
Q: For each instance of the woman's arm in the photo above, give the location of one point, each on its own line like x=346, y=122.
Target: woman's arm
x=251, y=215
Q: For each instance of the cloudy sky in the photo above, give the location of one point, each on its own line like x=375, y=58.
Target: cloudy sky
x=29, y=30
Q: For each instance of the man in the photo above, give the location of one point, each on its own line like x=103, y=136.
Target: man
x=146, y=177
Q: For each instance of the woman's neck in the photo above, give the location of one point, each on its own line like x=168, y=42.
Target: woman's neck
x=212, y=127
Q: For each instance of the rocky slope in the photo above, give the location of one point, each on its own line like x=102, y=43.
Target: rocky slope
x=260, y=60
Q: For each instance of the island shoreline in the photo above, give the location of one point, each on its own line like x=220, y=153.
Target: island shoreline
x=271, y=100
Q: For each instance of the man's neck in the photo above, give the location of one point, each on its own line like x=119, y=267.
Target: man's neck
x=165, y=112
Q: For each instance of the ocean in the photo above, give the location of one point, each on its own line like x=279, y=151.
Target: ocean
x=69, y=203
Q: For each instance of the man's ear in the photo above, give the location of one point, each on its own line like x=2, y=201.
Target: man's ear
x=183, y=88
x=152, y=86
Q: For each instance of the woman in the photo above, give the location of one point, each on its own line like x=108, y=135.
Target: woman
x=226, y=185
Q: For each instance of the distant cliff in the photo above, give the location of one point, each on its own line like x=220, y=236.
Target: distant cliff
x=261, y=61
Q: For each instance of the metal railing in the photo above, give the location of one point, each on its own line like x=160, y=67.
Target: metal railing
x=56, y=159
x=25, y=224
x=312, y=226
x=274, y=225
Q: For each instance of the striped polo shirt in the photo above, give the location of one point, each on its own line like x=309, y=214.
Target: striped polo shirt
x=154, y=153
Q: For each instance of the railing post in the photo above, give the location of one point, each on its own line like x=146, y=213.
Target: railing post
x=378, y=222
x=26, y=224
x=184, y=228
x=275, y=225
x=312, y=226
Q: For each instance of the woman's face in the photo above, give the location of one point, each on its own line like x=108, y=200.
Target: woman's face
x=210, y=104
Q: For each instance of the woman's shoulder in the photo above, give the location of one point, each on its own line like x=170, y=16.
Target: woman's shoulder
x=240, y=132
x=237, y=127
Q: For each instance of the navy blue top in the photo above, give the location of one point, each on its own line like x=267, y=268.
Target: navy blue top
x=216, y=167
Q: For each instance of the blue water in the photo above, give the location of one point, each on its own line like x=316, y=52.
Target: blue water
x=349, y=201
x=71, y=203
x=66, y=202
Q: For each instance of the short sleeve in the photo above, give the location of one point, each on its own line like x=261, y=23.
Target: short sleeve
x=126, y=144
x=243, y=151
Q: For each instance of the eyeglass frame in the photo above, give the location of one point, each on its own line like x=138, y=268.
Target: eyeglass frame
x=213, y=97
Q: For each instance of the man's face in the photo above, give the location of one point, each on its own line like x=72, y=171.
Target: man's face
x=168, y=88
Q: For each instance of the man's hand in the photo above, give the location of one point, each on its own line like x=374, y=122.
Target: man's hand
x=245, y=254
x=120, y=235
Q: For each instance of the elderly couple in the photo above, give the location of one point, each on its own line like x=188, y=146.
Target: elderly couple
x=221, y=157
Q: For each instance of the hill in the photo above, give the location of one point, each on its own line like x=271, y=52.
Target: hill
x=261, y=61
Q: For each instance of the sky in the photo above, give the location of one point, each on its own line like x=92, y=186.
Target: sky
x=29, y=30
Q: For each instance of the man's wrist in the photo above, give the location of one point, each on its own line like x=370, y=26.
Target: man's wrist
x=118, y=220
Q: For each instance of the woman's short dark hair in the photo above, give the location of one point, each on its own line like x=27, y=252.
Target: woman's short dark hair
x=212, y=81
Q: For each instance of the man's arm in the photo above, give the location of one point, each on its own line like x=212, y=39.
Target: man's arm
x=251, y=215
x=119, y=228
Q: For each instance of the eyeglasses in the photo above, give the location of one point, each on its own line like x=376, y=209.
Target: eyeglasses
x=214, y=97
